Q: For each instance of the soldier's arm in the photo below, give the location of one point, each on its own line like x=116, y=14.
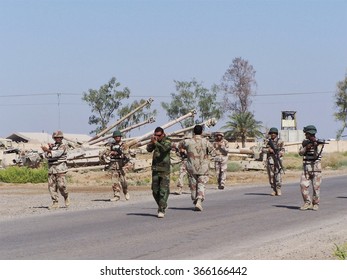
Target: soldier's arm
x=55, y=154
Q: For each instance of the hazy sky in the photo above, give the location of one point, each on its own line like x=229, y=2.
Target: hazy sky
x=53, y=51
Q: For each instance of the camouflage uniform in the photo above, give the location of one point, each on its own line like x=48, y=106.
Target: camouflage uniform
x=311, y=152
x=273, y=169
x=198, y=150
x=57, y=169
x=161, y=172
x=119, y=162
x=183, y=171
x=221, y=147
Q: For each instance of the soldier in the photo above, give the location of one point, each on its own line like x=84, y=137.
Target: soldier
x=274, y=149
x=160, y=145
x=119, y=163
x=56, y=155
x=311, y=151
x=221, y=147
x=198, y=150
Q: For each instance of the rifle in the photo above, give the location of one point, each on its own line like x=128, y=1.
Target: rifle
x=277, y=160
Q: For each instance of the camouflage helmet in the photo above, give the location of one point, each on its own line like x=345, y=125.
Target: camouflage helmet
x=116, y=133
x=219, y=133
x=58, y=134
x=311, y=129
x=273, y=130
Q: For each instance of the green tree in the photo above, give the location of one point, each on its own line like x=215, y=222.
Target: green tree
x=243, y=125
x=341, y=105
x=104, y=103
x=238, y=84
x=193, y=96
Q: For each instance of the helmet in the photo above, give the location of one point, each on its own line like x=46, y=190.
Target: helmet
x=58, y=134
x=116, y=133
x=311, y=129
x=273, y=130
x=219, y=133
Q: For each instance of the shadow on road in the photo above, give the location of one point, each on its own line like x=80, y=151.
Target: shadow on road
x=182, y=208
x=104, y=200
x=341, y=197
x=267, y=194
x=141, y=214
x=288, y=207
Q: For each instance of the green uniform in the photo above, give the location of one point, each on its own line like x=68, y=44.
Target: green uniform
x=161, y=165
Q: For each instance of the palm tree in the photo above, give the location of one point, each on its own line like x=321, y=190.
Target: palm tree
x=243, y=125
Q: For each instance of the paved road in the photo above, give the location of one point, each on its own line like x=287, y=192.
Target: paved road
x=236, y=223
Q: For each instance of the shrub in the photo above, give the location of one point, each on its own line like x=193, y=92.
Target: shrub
x=341, y=252
x=19, y=175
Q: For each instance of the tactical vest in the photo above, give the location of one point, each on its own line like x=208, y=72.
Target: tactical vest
x=311, y=154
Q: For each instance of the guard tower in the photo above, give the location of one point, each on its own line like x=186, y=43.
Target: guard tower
x=289, y=131
x=288, y=121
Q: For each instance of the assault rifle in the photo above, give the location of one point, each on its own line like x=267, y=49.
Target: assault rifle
x=277, y=160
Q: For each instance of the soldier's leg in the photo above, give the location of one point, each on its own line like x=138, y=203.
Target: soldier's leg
x=164, y=191
x=116, y=185
x=317, y=180
x=217, y=168
x=53, y=191
x=270, y=171
x=123, y=181
x=180, y=182
x=202, y=180
x=53, y=187
x=62, y=186
x=278, y=178
x=223, y=175
x=193, y=186
x=155, y=186
x=304, y=187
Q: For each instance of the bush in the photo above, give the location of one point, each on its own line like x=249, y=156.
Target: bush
x=234, y=167
x=341, y=252
x=20, y=175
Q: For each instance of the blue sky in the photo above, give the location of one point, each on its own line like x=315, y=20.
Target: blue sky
x=298, y=49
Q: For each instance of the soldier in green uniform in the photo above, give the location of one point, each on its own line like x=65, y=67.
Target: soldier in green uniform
x=160, y=145
x=56, y=155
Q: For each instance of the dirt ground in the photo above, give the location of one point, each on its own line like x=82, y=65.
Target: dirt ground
x=92, y=190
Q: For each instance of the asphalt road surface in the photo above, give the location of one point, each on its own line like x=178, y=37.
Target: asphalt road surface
x=237, y=223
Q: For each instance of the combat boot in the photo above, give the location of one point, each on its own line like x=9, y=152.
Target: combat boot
x=67, y=202
x=273, y=193
x=127, y=196
x=161, y=215
x=179, y=191
x=198, y=205
x=54, y=205
x=221, y=187
x=306, y=206
x=115, y=198
x=279, y=192
x=315, y=207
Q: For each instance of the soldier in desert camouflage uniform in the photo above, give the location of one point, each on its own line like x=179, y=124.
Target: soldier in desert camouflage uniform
x=274, y=150
x=311, y=151
x=221, y=147
x=118, y=165
x=160, y=145
x=56, y=155
x=198, y=150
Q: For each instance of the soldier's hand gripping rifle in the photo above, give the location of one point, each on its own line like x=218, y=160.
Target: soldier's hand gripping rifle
x=277, y=158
